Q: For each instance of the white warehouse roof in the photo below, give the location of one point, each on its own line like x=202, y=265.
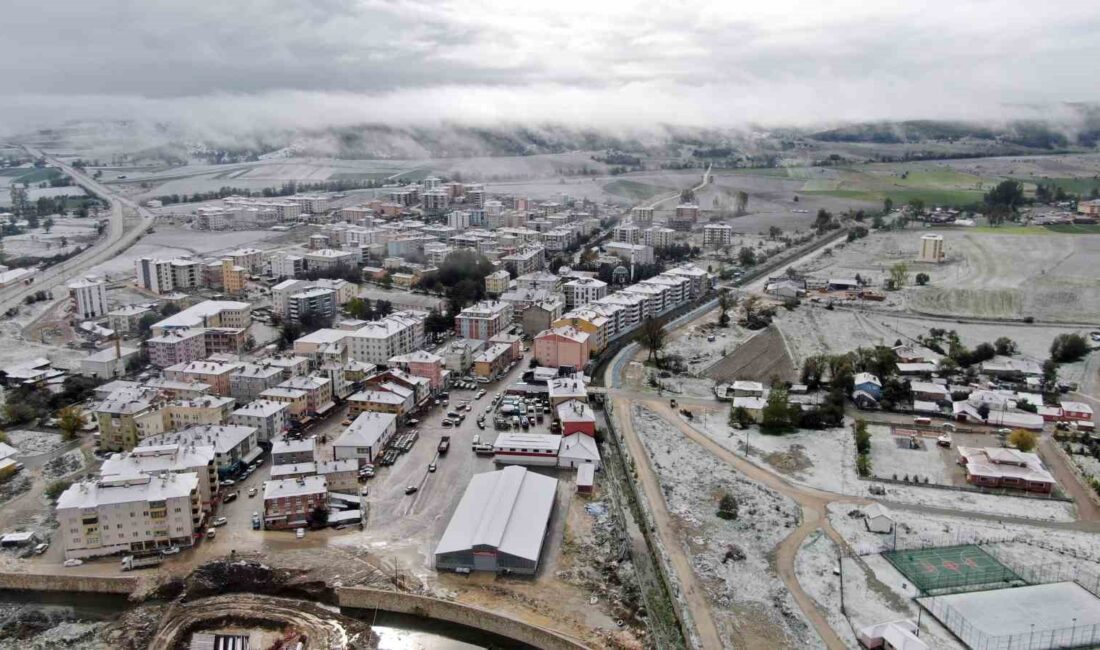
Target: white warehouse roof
x=508, y=510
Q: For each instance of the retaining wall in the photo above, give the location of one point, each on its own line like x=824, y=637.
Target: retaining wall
x=443, y=610
x=74, y=583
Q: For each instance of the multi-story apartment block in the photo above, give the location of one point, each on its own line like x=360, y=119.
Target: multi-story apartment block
x=250, y=379
x=214, y=373
x=175, y=459
x=209, y=409
x=88, y=298
x=497, y=282
x=642, y=217
x=154, y=275
x=125, y=320
x=483, y=320
x=318, y=392
x=233, y=444
x=295, y=400
x=269, y=418
x=285, y=265
x=582, y=291
x=541, y=315
x=328, y=259
x=136, y=513
x=717, y=235
x=318, y=302
x=209, y=313
x=658, y=237
x=290, y=503
x=628, y=234
x=128, y=416
x=421, y=363
x=177, y=346
x=636, y=253
x=527, y=260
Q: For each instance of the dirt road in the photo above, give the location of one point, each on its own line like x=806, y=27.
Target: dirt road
x=814, y=515
x=690, y=590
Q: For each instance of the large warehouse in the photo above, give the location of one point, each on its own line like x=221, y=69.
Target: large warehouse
x=500, y=523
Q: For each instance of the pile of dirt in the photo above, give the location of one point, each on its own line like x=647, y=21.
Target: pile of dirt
x=249, y=576
x=792, y=461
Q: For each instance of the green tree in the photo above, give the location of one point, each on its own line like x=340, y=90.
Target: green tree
x=922, y=279
x=917, y=206
x=47, y=224
x=863, y=437
x=359, y=308
x=776, y=414
x=740, y=417
x=56, y=488
x=726, y=302
x=1068, y=348
x=70, y=420
x=899, y=275
x=887, y=206
x=746, y=256
x=727, y=507
x=1005, y=346
x=813, y=370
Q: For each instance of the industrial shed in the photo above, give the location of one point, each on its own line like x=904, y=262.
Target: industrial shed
x=500, y=524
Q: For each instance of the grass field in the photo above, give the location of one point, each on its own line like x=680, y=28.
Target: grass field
x=28, y=175
x=1010, y=230
x=951, y=567
x=931, y=197
x=1079, y=186
x=634, y=190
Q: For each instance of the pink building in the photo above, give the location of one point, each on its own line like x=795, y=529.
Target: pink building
x=177, y=346
x=562, y=346
x=421, y=364
x=513, y=341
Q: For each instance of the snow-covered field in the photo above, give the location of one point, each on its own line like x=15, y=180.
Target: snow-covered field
x=33, y=443
x=168, y=242
x=890, y=459
x=748, y=596
x=693, y=344
x=826, y=460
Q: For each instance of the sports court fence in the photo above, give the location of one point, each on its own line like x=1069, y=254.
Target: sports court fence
x=1078, y=636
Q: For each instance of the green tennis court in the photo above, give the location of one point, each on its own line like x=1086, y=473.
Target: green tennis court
x=951, y=567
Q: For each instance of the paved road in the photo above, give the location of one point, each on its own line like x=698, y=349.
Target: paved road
x=119, y=236
x=652, y=205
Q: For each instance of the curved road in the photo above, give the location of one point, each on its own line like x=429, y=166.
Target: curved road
x=117, y=239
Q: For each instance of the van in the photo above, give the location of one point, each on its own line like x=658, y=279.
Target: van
x=476, y=441
x=922, y=420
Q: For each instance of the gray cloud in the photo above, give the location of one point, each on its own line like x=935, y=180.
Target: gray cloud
x=228, y=65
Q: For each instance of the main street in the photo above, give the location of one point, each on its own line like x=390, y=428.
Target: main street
x=119, y=236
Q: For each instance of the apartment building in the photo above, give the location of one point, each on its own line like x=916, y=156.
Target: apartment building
x=174, y=459
x=295, y=400
x=128, y=416
x=250, y=379
x=562, y=346
x=526, y=260
x=328, y=259
x=209, y=313
x=125, y=320
x=154, y=275
x=286, y=451
x=582, y=291
x=628, y=234
x=717, y=235
x=290, y=503
x=421, y=363
x=379, y=341
x=497, y=282
x=137, y=513
x=340, y=475
x=318, y=392
x=177, y=347
x=483, y=320
x=268, y=417
x=642, y=216
x=88, y=298
x=209, y=409
x=658, y=237
x=214, y=373
x=365, y=439
x=233, y=444
x=539, y=280
x=541, y=315
x=285, y=265
x=636, y=253
x=320, y=303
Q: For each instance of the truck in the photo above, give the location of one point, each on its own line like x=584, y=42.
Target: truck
x=444, y=444
x=129, y=563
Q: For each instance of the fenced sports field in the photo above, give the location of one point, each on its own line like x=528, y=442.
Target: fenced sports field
x=952, y=568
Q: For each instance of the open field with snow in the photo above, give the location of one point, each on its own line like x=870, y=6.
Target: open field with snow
x=826, y=460
x=811, y=330
x=749, y=600
x=168, y=241
x=1047, y=276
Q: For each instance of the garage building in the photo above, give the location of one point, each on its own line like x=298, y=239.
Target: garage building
x=500, y=524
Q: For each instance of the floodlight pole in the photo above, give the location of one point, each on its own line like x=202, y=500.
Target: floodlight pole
x=920, y=610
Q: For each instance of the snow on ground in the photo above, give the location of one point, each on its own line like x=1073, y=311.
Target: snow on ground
x=33, y=443
x=807, y=457
x=811, y=329
x=891, y=457
x=746, y=592
x=168, y=242
x=826, y=460
x=1089, y=465
x=688, y=386
x=68, y=463
x=814, y=567
x=694, y=345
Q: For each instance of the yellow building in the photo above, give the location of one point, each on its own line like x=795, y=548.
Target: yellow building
x=595, y=325
x=127, y=417
x=234, y=277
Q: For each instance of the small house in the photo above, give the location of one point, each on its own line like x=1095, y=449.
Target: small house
x=878, y=518
x=586, y=478
x=868, y=383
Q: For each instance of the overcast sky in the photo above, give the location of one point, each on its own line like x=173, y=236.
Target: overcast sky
x=239, y=64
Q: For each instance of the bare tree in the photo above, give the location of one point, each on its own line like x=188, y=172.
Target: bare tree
x=652, y=337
